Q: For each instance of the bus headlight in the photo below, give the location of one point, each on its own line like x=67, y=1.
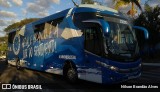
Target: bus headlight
x=107, y=66
x=140, y=65
x=113, y=68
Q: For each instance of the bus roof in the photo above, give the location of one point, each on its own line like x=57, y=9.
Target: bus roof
x=98, y=7
x=53, y=16
x=13, y=30
x=81, y=8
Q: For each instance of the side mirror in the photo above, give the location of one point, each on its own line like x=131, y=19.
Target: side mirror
x=146, y=34
x=102, y=23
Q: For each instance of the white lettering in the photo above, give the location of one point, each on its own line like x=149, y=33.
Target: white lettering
x=126, y=86
x=30, y=52
x=67, y=57
x=44, y=49
x=123, y=22
x=34, y=87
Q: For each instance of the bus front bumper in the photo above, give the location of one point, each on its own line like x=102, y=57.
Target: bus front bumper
x=115, y=77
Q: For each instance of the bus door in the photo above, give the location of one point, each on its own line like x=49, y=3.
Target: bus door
x=93, y=52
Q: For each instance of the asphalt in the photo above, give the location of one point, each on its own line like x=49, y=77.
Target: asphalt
x=151, y=64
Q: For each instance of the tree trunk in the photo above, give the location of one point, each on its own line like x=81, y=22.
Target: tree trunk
x=132, y=13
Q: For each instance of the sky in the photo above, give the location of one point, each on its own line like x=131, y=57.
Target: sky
x=12, y=11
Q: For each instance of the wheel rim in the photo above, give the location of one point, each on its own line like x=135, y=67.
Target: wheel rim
x=71, y=74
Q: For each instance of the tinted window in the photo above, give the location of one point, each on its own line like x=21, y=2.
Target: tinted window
x=93, y=40
x=80, y=17
x=47, y=30
x=11, y=37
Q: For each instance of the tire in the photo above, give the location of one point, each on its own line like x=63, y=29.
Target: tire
x=18, y=66
x=71, y=74
x=6, y=62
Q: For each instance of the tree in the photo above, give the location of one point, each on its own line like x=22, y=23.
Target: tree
x=147, y=7
x=151, y=21
x=3, y=40
x=19, y=24
x=120, y=3
x=3, y=45
x=87, y=2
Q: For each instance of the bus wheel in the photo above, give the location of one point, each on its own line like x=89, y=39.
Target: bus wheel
x=71, y=74
x=6, y=62
x=18, y=63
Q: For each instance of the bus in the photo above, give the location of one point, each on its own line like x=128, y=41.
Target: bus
x=88, y=42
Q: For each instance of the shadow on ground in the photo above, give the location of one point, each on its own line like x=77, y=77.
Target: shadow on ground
x=9, y=74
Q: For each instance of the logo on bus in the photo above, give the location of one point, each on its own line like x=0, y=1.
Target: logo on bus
x=16, y=44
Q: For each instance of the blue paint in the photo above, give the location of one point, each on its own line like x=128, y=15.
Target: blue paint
x=146, y=34
x=104, y=24
x=42, y=55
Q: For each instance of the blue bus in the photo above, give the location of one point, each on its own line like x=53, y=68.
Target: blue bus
x=88, y=42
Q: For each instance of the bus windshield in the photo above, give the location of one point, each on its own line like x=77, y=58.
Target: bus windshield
x=121, y=40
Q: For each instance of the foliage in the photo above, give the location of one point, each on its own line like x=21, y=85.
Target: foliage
x=3, y=47
x=19, y=24
x=147, y=7
x=120, y=3
x=3, y=40
x=150, y=19
x=3, y=44
x=87, y=2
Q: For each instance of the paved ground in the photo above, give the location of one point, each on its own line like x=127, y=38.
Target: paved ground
x=55, y=83
x=150, y=74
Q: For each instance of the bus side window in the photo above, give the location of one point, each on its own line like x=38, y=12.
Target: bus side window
x=52, y=27
x=48, y=29
x=38, y=32
x=11, y=37
x=92, y=40
x=38, y=36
